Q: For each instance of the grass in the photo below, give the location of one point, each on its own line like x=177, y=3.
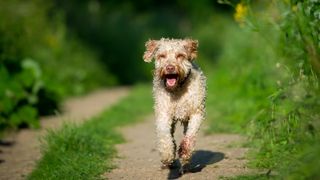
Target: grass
x=86, y=151
x=265, y=85
x=239, y=85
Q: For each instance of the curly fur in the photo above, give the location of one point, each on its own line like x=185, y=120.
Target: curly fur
x=181, y=100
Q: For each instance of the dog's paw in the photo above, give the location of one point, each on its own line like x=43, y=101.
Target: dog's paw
x=169, y=166
x=184, y=169
x=164, y=166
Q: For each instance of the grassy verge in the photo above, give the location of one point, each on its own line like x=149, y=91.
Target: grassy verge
x=85, y=151
x=266, y=85
x=240, y=83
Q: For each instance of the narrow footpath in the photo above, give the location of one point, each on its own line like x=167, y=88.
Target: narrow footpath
x=215, y=156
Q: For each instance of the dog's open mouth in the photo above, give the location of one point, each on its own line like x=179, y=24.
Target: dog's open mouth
x=171, y=80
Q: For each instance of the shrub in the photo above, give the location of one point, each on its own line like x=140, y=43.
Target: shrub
x=40, y=63
x=273, y=88
x=287, y=134
x=19, y=94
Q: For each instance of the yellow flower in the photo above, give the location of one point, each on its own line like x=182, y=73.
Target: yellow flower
x=51, y=40
x=241, y=12
x=294, y=8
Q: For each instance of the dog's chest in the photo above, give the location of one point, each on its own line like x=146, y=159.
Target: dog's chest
x=183, y=107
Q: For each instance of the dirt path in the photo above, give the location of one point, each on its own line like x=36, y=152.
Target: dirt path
x=216, y=155
x=19, y=152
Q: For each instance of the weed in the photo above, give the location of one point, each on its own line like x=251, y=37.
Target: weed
x=271, y=90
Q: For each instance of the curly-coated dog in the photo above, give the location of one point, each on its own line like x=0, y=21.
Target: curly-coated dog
x=179, y=89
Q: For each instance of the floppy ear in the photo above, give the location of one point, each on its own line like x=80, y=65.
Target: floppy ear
x=192, y=48
x=151, y=47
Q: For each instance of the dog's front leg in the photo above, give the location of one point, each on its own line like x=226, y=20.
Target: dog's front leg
x=188, y=142
x=166, y=144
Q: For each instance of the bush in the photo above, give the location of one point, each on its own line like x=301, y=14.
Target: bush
x=40, y=63
x=287, y=134
x=20, y=93
x=273, y=87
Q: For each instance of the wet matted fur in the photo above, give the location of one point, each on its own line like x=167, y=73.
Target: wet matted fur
x=179, y=89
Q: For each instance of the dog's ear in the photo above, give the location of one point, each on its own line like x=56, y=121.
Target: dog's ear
x=151, y=47
x=192, y=48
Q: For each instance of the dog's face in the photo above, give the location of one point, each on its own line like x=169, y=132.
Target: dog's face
x=173, y=59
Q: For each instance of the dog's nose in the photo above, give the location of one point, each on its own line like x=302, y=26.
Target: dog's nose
x=170, y=68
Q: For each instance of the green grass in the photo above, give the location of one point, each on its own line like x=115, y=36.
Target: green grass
x=239, y=85
x=249, y=177
x=265, y=85
x=86, y=151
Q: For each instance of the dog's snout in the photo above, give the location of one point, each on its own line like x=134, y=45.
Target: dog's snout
x=170, y=68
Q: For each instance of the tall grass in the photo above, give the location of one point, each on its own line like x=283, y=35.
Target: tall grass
x=240, y=82
x=266, y=85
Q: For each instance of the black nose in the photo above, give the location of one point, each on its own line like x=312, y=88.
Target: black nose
x=170, y=68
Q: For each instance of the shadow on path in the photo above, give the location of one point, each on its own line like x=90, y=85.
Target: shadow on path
x=200, y=159
x=4, y=143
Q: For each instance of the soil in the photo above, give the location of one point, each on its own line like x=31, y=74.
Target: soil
x=20, y=151
x=217, y=155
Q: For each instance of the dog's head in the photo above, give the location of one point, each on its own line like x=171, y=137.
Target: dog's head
x=173, y=59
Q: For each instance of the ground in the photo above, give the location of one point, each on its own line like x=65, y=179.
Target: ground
x=216, y=155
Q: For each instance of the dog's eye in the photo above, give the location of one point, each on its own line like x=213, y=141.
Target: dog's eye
x=180, y=56
x=161, y=56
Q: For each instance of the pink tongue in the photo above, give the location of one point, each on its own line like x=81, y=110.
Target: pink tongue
x=171, y=82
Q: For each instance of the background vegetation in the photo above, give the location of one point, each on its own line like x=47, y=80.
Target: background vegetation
x=53, y=49
x=272, y=92
x=41, y=62
x=261, y=59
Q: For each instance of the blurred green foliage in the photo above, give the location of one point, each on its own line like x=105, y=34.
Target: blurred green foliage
x=18, y=93
x=119, y=29
x=40, y=63
x=266, y=85
x=289, y=136
x=76, y=46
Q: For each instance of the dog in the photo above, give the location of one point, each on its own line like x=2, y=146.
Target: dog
x=179, y=90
